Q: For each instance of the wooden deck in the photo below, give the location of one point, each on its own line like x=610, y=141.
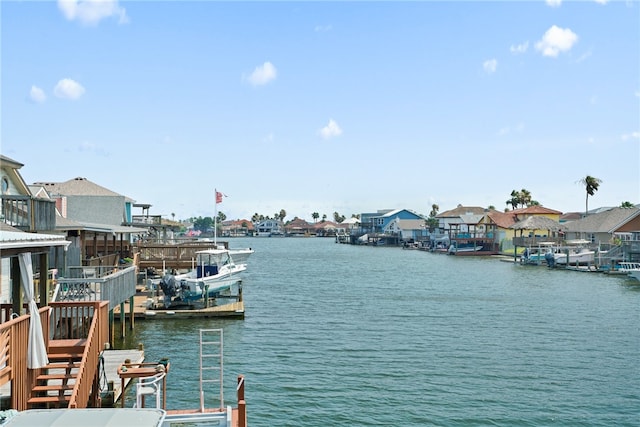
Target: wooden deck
x=113, y=359
x=140, y=311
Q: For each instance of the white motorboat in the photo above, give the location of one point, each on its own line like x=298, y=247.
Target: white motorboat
x=575, y=254
x=635, y=274
x=215, y=274
x=631, y=268
x=575, y=257
x=241, y=256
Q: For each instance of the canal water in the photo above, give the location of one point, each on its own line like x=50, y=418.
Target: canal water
x=378, y=336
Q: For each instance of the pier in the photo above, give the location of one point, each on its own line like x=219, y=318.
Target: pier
x=142, y=311
x=111, y=360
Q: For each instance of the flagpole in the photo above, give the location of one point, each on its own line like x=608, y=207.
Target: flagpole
x=215, y=218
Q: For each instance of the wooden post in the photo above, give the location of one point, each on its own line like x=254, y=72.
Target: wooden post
x=123, y=319
x=43, y=286
x=242, y=404
x=131, y=312
x=111, y=328
x=16, y=288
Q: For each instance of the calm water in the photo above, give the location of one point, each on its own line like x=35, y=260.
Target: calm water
x=349, y=335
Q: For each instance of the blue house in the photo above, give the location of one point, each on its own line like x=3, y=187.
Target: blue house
x=392, y=222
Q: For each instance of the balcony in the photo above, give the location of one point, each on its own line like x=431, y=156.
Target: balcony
x=28, y=213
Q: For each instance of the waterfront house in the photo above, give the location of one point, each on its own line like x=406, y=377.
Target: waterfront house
x=615, y=230
x=466, y=226
x=379, y=221
x=383, y=226
x=409, y=230
x=21, y=208
x=298, y=227
x=35, y=335
x=325, y=228
x=269, y=227
x=514, y=229
x=96, y=220
x=236, y=228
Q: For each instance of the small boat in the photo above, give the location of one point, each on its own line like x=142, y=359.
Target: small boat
x=215, y=274
x=631, y=268
x=456, y=249
x=627, y=267
x=241, y=256
x=575, y=254
x=635, y=274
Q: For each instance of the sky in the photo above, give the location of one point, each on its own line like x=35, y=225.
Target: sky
x=325, y=107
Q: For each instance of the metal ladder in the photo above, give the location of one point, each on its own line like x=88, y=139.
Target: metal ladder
x=211, y=362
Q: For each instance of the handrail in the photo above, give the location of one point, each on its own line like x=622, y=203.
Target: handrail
x=96, y=335
x=16, y=338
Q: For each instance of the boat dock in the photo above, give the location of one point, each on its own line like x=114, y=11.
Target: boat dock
x=111, y=360
x=142, y=311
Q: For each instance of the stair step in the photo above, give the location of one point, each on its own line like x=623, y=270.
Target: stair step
x=53, y=376
x=64, y=356
x=49, y=399
x=58, y=387
x=62, y=365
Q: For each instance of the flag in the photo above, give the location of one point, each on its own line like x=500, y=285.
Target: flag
x=218, y=197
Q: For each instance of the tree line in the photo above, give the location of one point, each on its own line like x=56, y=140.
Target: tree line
x=518, y=199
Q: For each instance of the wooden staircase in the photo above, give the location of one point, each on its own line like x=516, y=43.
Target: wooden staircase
x=54, y=385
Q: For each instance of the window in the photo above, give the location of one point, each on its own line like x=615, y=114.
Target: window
x=5, y=185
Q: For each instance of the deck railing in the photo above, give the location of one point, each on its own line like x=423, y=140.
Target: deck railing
x=83, y=320
x=15, y=338
x=161, y=255
x=97, y=284
x=28, y=213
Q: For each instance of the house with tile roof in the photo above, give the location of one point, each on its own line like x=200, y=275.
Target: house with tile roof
x=236, y=228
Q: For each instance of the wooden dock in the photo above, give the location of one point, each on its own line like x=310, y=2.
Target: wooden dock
x=232, y=310
x=113, y=359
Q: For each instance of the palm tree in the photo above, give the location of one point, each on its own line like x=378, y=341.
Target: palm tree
x=315, y=216
x=591, y=185
x=515, y=199
x=525, y=197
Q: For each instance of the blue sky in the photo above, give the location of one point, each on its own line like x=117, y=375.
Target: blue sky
x=325, y=107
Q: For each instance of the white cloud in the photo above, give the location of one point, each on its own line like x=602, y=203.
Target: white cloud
x=584, y=56
x=632, y=135
x=490, y=65
x=91, y=12
x=322, y=28
x=68, y=89
x=518, y=128
x=269, y=138
x=330, y=130
x=556, y=40
x=37, y=95
x=521, y=48
x=553, y=3
x=90, y=147
x=263, y=74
